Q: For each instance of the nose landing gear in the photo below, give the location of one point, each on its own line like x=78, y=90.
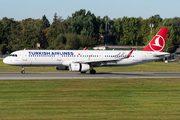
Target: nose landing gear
x=23, y=70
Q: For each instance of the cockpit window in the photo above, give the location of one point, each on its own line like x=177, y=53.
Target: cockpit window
x=13, y=55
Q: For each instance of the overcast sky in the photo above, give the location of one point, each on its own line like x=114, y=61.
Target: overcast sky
x=22, y=9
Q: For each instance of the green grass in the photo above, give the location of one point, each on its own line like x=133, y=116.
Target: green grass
x=148, y=67
x=122, y=99
x=128, y=99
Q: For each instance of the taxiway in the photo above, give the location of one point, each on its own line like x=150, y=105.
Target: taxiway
x=75, y=75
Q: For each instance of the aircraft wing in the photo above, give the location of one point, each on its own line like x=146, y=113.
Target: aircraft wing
x=107, y=60
x=85, y=48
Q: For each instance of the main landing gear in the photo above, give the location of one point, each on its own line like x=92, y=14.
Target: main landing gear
x=23, y=70
x=92, y=71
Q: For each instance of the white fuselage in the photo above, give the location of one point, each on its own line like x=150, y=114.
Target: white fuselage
x=66, y=57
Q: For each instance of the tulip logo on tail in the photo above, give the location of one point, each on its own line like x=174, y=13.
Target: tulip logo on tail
x=157, y=44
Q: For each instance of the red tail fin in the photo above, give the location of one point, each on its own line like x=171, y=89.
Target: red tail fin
x=158, y=42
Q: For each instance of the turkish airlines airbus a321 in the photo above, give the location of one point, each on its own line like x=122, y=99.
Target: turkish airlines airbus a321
x=84, y=60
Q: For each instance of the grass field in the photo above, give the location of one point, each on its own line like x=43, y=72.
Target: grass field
x=148, y=67
x=122, y=99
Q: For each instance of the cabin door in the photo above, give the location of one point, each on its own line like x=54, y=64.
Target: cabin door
x=24, y=55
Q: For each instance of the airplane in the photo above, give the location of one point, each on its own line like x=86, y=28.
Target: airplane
x=85, y=60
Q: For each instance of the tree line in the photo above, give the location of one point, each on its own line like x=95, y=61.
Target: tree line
x=84, y=29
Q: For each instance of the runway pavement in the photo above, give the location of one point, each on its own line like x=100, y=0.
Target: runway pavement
x=76, y=75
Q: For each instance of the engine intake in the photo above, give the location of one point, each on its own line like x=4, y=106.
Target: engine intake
x=78, y=67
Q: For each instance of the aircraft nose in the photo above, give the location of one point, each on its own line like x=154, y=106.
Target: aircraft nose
x=5, y=60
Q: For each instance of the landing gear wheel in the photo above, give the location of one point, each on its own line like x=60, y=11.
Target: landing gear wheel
x=22, y=71
x=92, y=72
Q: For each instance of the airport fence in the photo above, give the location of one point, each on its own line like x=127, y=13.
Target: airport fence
x=3, y=56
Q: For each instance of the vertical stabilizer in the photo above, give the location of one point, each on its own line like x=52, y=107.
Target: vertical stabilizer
x=158, y=42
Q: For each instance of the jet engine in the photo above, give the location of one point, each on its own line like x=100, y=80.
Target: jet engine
x=79, y=67
x=61, y=68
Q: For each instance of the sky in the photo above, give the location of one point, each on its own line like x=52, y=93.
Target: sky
x=22, y=9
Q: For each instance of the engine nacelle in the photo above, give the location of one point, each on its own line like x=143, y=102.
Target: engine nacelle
x=78, y=67
x=61, y=68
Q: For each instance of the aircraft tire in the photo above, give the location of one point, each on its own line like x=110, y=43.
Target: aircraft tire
x=23, y=72
x=92, y=72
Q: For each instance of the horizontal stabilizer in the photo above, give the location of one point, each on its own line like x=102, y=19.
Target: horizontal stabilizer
x=162, y=54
